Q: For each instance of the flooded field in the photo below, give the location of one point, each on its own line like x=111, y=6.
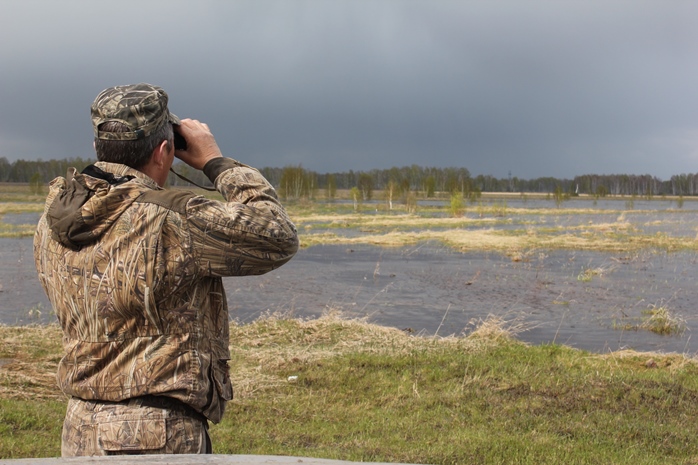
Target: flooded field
x=594, y=300
x=430, y=289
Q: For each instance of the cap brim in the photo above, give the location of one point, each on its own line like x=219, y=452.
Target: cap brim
x=174, y=119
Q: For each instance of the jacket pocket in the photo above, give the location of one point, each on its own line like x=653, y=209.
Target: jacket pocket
x=220, y=372
x=221, y=389
x=132, y=434
x=221, y=378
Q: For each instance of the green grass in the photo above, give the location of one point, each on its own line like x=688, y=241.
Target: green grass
x=508, y=404
x=30, y=428
x=369, y=393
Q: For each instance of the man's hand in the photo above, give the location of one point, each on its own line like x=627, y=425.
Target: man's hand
x=201, y=145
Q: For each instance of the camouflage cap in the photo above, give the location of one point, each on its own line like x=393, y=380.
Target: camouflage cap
x=142, y=107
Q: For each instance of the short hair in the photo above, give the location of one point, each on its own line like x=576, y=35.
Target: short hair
x=132, y=153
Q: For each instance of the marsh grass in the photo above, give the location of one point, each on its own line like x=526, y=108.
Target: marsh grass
x=607, y=237
x=588, y=274
x=20, y=193
x=480, y=228
x=477, y=227
x=661, y=320
x=657, y=319
x=19, y=207
x=345, y=389
x=18, y=199
x=499, y=208
x=16, y=230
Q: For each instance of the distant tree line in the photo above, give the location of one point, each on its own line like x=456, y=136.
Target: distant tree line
x=294, y=182
x=38, y=170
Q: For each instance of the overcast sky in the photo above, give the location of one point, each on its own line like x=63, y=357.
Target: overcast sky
x=532, y=88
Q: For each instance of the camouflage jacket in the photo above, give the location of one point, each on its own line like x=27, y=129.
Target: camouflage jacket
x=134, y=271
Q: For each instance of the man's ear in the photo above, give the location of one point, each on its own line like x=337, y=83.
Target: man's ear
x=160, y=153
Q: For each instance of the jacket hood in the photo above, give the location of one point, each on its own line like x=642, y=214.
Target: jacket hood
x=85, y=205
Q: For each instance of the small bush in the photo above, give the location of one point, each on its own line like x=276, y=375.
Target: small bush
x=456, y=204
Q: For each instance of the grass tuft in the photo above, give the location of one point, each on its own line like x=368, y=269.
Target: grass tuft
x=661, y=320
x=496, y=328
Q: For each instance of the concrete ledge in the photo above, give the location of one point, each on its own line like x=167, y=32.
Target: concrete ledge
x=215, y=459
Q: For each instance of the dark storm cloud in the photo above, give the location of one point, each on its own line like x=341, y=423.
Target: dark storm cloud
x=537, y=88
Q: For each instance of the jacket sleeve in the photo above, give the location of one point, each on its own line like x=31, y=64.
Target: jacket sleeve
x=248, y=234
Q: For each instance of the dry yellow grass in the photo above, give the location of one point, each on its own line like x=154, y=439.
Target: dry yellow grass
x=388, y=221
x=618, y=236
x=20, y=207
x=29, y=355
x=272, y=343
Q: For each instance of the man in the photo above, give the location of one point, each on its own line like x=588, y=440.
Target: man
x=134, y=271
